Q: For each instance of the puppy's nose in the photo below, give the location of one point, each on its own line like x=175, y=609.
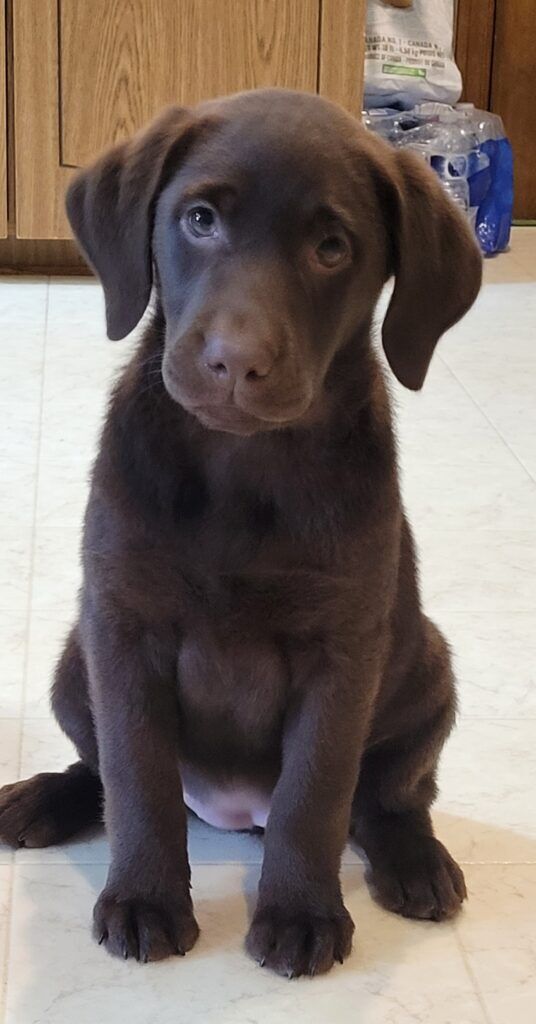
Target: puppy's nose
x=236, y=361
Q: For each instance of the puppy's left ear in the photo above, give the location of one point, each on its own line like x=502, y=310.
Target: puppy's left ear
x=110, y=206
x=436, y=263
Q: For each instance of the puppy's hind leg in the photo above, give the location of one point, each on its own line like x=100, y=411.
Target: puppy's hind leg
x=411, y=872
x=52, y=807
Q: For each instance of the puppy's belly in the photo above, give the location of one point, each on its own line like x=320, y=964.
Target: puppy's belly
x=237, y=806
x=231, y=704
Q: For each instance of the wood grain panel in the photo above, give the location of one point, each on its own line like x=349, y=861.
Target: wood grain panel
x=121, y=60
x=40, y=181
x=342, y=52
x=41, y=256
x=474, y=49
x=3, y=123
x=512, y=94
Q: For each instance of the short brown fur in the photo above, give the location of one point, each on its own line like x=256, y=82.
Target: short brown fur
x=250, y=607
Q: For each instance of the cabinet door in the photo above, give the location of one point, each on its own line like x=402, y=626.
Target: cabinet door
x=90, y=72
x=496, y=55
x=512, y=94
x=3, y=124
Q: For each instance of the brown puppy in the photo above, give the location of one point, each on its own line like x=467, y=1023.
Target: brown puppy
x=250, y=640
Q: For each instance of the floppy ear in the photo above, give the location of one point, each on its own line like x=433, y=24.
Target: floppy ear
x=437, y=268
x=110, y=206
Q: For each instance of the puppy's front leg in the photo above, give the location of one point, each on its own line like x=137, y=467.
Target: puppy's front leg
x=145, y=910
x=300, y=925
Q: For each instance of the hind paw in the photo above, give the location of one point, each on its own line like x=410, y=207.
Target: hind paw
x=428, y=884
x=48, y=808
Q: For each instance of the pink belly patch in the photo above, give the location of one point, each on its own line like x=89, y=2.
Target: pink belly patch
x=237, y=807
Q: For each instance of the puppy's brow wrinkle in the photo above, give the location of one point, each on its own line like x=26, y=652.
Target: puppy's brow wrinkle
x=211, y=190
x=332, y=210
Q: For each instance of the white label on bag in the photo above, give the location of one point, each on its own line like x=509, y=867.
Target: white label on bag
x=408, y=54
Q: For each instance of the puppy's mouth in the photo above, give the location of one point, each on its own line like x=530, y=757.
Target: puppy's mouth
x=231, y=419
x=231, y=416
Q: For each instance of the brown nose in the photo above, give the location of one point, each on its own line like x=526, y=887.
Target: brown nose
x=233, y=361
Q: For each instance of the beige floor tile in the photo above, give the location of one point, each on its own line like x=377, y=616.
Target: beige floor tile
x=495, y=662
x=57, y=569
x=47, y=632
x=400, y=972
x=508, y=268
x=5, y=907
x=487, y=791
x=492, y=571
x=10, y=738
x=469, y=465
x=523, y=247
x=498, y=934
x=13, y=636
x=23, y=302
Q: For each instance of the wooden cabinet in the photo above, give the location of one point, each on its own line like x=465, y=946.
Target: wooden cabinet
x=512, y=94
x=88, y=73
x=497, y=57
x=149, y=55
x=3, y=125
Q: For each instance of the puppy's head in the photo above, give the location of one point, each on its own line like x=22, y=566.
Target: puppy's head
x=270, y=221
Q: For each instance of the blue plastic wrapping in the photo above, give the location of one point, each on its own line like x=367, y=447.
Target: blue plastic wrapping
x=469, y=151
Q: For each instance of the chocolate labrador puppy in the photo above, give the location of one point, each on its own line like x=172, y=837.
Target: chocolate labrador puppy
x=250, y=642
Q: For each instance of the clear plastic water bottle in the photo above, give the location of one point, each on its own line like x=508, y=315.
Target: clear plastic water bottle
x=449, y=145
x=458, y=190
x=468, y=150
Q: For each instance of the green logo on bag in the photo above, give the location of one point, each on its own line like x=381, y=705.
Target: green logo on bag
x=400, y=69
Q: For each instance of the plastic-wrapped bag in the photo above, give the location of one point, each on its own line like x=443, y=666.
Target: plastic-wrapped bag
x=408, y=54
x=468, y=150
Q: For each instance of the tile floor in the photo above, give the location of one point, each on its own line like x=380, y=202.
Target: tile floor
x=468, y=447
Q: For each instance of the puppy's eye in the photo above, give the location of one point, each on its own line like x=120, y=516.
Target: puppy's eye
x=332, y=251
x=201, y=221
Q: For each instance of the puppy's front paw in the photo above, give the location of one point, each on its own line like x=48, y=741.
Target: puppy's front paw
x=144, y=929
x=299, y=943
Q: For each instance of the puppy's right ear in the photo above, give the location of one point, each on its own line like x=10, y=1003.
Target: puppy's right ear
x=110, y=207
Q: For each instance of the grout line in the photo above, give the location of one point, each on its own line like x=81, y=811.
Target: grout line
x=471, y=974
x=254, y=863
x=462, y=717
x=489, y=718
x=34, y=525
x=69, y=862
x=487, y=418
x=319, y=46
x=498, y=863
x=6, y=945
x=12, y=862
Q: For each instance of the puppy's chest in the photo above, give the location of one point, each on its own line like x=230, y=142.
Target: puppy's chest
x=250, y=560
x=222, y=529
x=232, y=693
x=227, y=527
